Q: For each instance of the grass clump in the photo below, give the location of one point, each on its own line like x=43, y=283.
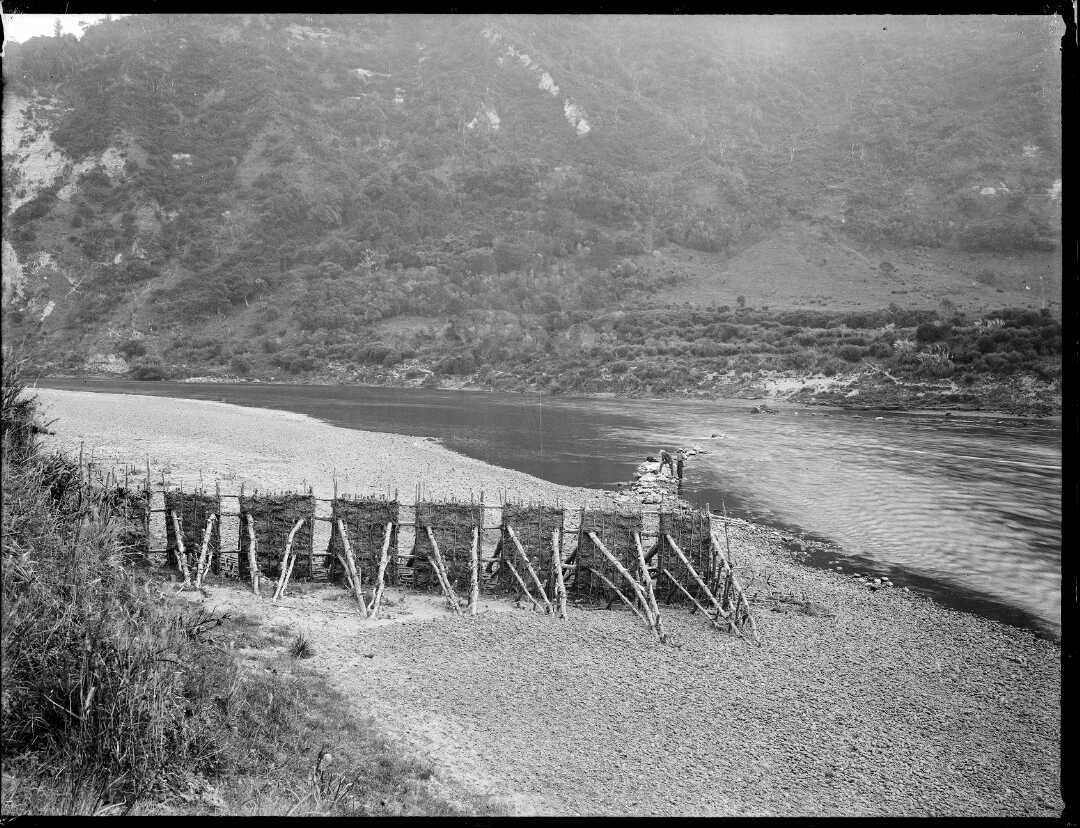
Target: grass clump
x=301, y=647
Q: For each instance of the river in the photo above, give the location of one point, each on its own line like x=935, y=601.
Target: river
x=966, y=507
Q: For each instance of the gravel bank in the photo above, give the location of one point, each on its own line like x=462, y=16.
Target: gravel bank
x=864, y=702
x=274, y=450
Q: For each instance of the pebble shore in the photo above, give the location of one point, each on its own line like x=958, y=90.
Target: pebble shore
x=862, y=699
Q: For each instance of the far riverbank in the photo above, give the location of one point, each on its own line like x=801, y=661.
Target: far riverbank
x=856, y=390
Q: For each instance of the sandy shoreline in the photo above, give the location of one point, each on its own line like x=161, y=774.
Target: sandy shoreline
x=878, y=702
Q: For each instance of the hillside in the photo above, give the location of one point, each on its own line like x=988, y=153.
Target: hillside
x=277, y=196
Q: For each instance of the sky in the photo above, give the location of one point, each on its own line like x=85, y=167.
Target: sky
x=20, y=27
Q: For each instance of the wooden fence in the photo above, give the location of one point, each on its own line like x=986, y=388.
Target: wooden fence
x=628, y=553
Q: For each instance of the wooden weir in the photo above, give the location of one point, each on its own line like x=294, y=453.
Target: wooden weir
x=647, y=557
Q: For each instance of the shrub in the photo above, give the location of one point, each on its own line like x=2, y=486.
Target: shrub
x=463, y=364
x=374, y=354
x=851, y=353
x=131, y=348
x=148, y=370
x=881, y=350
x=626, y=245
x=831, y=367
x=929, y=332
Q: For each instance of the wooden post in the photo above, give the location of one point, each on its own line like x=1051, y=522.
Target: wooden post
x=618, y=592
x=638, y=591
x=181, y=553
x=203, y=566
x=658, y=622
x=292, y=561
x=576, y=555
x=253, y=561
x=287, y=562
x=695, y=601
x=529, y=567
x=343, y=559
x=351, y=572
x=714, y=557
x=520, y=582
x=557, y=565
x=741, y=596
x=440, y=571
x=474, y=569
x=380, y=579
x=696, y=577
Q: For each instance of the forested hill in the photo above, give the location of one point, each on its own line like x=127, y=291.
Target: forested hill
x=289, y=193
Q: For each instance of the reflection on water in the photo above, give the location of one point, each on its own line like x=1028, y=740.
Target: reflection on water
x=967, y=502
x=957, y=499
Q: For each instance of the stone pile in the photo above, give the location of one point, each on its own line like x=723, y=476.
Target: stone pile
x=653, y=485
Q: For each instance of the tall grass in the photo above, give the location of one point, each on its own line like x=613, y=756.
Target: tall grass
x=105, y=690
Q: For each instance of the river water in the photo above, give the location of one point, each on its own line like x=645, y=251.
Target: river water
x=965, y=507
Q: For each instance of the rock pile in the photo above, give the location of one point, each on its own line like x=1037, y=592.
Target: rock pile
x=653, y=484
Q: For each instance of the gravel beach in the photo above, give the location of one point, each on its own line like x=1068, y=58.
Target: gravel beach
x=274, y=450
x=859, y=701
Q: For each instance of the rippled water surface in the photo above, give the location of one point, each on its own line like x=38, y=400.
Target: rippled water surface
x=970, y=506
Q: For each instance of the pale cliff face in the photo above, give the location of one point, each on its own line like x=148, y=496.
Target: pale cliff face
x=574, y=114
x=30, y=156
x=14, y=282
x=35, y=163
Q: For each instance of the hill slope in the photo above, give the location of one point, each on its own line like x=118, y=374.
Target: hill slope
x=263, y=195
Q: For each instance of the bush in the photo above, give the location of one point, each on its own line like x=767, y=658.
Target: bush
x=510, y=256
x=881, y=350
x=131, y=348
x=148, y=370
x=626, y=245
x=831, y=367
x=459, y=365
x=851, y=353
x=929, y=332
x=294, y=361
x=374, y=354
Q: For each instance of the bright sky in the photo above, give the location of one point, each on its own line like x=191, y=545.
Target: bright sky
x=20, y=27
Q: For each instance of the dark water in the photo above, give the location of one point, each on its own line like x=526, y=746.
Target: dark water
x=966, y=507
